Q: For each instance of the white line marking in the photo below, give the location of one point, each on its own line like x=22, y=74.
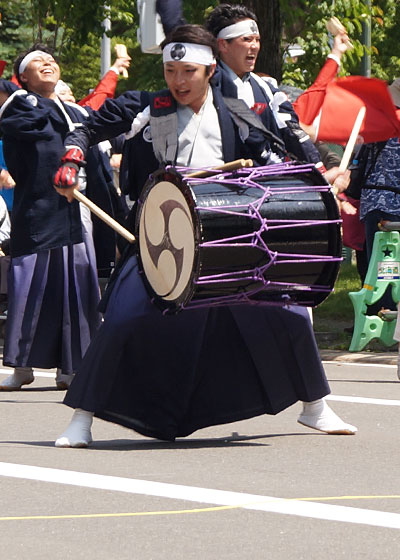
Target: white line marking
x=50, y=374
x=363, y=400
x=351, y=399
x=359, y=364
x=36, y=372
x=204, y=495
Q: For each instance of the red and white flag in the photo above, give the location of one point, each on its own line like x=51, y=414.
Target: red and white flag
x=333, y=105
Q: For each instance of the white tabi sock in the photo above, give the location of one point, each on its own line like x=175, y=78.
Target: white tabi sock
x=78, y=433
x=63, y=380
x=318, y=415
x=14, y=382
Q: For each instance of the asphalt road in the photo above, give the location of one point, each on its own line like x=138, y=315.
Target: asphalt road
x=263, y=488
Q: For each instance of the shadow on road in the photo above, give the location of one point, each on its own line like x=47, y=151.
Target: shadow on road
x=146, y=445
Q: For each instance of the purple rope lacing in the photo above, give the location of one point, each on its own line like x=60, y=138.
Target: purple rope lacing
x=246, y=178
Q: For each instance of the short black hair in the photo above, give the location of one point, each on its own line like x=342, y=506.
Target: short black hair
x=196, y=34
x=35, y=47
x=227, y=14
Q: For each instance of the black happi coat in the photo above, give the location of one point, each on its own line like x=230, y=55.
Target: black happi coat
x=34, y=130
x=120, y=115
x=296, y=140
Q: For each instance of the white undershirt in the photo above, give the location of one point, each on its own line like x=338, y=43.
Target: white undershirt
x=243, y=85
x=199, y=135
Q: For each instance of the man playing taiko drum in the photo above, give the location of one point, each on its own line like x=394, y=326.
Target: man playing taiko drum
x=162, y=375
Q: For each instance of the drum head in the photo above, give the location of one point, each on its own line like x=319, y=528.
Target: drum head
x=167, y=242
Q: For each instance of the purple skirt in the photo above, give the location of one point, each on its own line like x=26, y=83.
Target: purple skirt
x=52, y=313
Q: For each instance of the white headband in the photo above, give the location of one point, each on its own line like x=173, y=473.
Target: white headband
x=30, y=56
x=188, y=52
x=239, y=29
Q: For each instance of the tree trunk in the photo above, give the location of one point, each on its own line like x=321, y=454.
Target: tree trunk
x=269, y=22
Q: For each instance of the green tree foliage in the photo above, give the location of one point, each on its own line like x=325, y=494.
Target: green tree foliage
x=74, y=29
x=16, y=31
x=305, y=23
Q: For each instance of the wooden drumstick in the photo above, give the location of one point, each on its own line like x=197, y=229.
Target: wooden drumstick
x=121, y=52
x=230, y=166
x=335, y=27
x=126, y=234
x=352, y=139
x=104, y=217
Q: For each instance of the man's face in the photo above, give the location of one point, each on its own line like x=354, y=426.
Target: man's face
x=188, y=83
x=240, y=54
x=41, y=74
x=66, y=94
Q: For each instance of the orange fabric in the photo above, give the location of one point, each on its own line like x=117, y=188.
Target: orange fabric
x=104, y=89
x=15, y=81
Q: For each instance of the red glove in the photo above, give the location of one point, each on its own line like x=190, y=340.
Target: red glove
x=67, y=174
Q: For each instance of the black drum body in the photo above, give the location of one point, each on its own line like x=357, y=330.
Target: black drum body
x=266, y=235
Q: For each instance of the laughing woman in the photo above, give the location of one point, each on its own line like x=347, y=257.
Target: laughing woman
x=166, y=376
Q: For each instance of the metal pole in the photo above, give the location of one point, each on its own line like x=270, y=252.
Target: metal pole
x=106, y=45
x=366, y=40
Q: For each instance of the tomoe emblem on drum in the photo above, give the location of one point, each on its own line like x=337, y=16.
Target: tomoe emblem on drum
x=166, y=240
x=166, y=244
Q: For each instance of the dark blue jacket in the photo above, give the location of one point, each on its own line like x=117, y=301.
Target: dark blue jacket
x=294, y=137
x=116, y=116
x=34, y=130
x=170, y=13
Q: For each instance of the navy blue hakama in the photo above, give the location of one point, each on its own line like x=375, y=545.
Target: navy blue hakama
x=52, y=313
x=166, y=376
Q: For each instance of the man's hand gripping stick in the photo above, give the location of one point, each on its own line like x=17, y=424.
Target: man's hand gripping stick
x=67, y=174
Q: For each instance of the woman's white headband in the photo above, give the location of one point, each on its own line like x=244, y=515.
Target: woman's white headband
x=188, y=52
x=30, y=56
x=239, y=29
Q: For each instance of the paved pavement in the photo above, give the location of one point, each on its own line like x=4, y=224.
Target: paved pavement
x=264, y=488
x=382, y=358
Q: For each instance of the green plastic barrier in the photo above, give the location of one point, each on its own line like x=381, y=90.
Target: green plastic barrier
x=383, y=271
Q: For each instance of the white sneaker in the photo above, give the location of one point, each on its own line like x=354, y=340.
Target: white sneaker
x=319, y=416
x=78, y=433
x=14, y=382
x=63, y=380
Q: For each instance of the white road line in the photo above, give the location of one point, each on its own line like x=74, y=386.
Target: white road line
x=350, y=399
x=204, y=495
x=359, y=364
x=363, y=400
x=36, y=372
x=51, y=374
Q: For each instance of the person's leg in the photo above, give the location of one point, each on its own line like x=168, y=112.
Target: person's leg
x=63, y=380
x=318, y=415
x=78, y=433
x=371, y=221
x=14, y=382
x=362, y=264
